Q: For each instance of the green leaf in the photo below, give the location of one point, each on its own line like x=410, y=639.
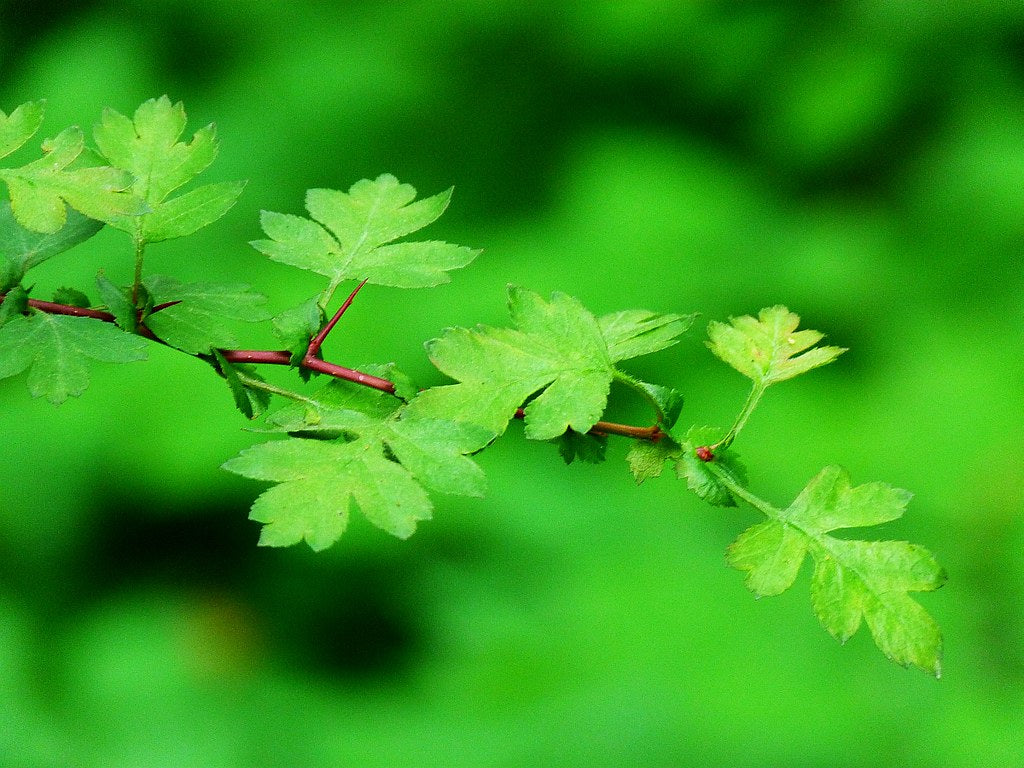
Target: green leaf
x=19, y=126
x=636, y=332
x=14, y=304
x=147, y=146
x=350, y=236
x=556, y=352
x=54, y=348
x=377, y=457
x=71, y=297
x=852, y=580
x=196, y=323
x=251, y=402
x=40, y=189
x=589, y=448
x=768, y=349
x=118, y=302
x=296, y=326
x=27, y=249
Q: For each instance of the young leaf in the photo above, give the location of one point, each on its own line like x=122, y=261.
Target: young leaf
x=702, y=479
x=852, y=579
x=768, y=349
x=374, y=456
x=147, y=146
x=71, y=296
x=19, y=126
x=54, y=347
x=195, y=323
x=40, y=189
x=27, y=249
x=647, y=459
x=350, y=236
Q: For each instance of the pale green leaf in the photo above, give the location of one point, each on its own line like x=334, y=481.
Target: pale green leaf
x=54, y=349
x=852, y=580
x=19, y=126
x=148, y=147
x=771, y=553
x=769, y=349
x=375, y=457
x=350, y=236
x=637, y=332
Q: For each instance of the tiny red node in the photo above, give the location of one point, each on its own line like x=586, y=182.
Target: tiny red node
x=704, y=453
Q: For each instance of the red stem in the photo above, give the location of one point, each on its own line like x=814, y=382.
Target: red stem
x=317, y=341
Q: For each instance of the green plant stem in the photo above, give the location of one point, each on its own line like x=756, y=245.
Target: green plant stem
x=740, y=492
x=140, y=250
x=753, y=398
x=264, y=386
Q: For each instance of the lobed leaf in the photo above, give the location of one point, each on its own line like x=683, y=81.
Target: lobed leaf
x=769, y=349
x=369, y=451
x=557, y=360
x=852, y=580
x=54, y=350
x=350, y=234
x=147, y=146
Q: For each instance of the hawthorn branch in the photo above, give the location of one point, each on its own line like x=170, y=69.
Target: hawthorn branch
x=314, y=363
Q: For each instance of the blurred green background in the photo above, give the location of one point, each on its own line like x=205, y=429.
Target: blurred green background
x=861, y=162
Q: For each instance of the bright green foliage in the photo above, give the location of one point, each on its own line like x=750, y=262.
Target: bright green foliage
x=767, y=349
x=852, y=579
x=147, y=146
x=557, y=349
x=375, y=456
x=53, y=348
x=19, y=126
x=350, y=236
x=195, y=323
x=25, y=249
x=40, y=189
